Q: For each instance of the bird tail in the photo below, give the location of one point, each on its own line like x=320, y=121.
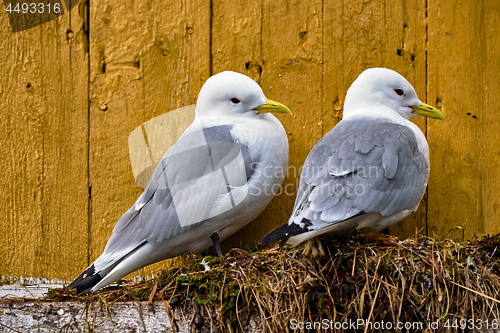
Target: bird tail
x=281, y=233
x=87, y=280
x=293, y=227
x=90, y=278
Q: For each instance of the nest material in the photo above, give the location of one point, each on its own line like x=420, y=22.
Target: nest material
x=376, y=279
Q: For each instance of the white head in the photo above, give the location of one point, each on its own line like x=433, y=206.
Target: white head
x=233, y=94
x=381, y=92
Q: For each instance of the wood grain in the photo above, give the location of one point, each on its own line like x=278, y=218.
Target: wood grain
x=74, y=88
x=44, y=126
x=463, y=80
x=365, y=35
x=292, y=57
x=237, y=46
x=146, y=59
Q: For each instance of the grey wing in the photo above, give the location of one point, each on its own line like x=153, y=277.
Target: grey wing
x=186, y=184
x=361, y=168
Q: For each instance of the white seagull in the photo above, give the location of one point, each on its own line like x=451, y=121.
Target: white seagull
x=370, y=170
x=217, y=177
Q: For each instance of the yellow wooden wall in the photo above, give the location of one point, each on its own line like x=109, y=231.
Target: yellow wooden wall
x=72, y=90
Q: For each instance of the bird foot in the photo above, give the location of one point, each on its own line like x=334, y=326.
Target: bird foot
x=311, y=249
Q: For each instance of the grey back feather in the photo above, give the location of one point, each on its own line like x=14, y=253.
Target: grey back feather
x=361, y=166
x=154, y=217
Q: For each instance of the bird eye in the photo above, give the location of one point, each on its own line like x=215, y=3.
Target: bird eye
x=235, y=100
x=400, y=92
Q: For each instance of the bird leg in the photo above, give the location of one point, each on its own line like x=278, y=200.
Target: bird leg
x=310, y=248
x=215, y=239
x=320, y=248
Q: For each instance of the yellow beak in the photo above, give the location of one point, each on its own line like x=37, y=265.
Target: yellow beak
x=427, y=111
x=272, y=106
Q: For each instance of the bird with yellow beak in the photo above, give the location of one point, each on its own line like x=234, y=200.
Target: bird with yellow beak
x=215, y=179
x=370, y=170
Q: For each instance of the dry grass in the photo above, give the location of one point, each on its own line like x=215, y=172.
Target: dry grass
x=376, y=278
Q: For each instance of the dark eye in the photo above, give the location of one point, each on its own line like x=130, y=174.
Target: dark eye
x=400, y=92
x=235, y=100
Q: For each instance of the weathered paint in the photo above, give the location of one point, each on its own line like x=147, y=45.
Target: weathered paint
x=463, y=78
x=44, y=148
x=50, y=317
x=74, y=89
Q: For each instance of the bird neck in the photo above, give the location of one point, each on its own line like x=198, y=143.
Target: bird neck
x=378, y=112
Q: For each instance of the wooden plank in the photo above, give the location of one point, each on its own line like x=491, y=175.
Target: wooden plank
x=490, y=32
x=239, y=51
x=65, y=182
x=44, y=121
x=292, y=57
x=374, y=34
x=146, y=59
x=21, y=148
x=463, y=79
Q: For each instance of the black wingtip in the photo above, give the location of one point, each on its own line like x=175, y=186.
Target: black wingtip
x=86, y=281
x=273, y=236
x=284, y=232
x=283, y=242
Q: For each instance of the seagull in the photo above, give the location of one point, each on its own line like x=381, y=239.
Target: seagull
x=214, y=180
x=370, y=171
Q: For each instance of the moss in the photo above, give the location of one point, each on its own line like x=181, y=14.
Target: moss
x=361, y=277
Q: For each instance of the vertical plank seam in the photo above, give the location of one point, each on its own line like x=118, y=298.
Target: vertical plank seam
x=427, y=100
x=482, y=35
x=261, y=75
x=210, y=31
x=66, y=11
x=261, y=42
x=89, y=184
x=41, y=239
x=323, y=111
x=70, y=69
x=342, y=69
x=385, y=34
